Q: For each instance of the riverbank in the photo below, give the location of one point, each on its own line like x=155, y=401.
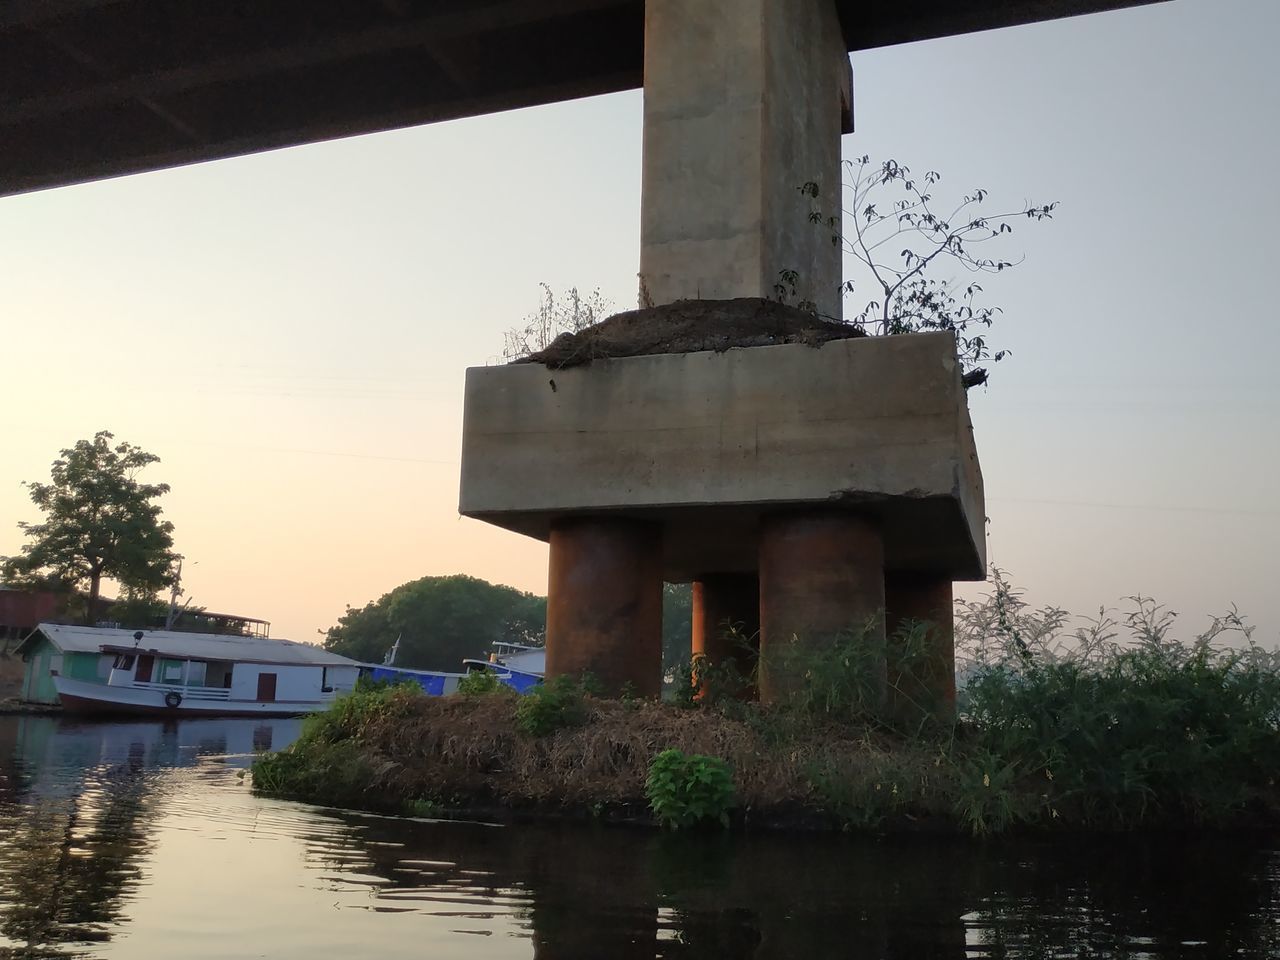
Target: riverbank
x=10, y=706
x=400, y=751
x=1164, y=736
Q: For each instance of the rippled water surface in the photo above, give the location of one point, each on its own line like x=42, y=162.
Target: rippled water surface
x=142, y=840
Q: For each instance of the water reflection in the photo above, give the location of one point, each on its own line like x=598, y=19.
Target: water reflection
x=611, y=892
x=139, y=840
x=76, y=802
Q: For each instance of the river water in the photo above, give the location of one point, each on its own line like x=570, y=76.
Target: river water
x=143, y=840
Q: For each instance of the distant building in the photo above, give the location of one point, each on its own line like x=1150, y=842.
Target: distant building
x=22, y=610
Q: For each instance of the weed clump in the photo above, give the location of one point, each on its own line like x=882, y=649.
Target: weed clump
x=557, y=704
x=329, y=763
x=1156, y=732
x=686, y=790
x=480, y=683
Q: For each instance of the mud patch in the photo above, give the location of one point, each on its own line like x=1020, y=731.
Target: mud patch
x=689, y=326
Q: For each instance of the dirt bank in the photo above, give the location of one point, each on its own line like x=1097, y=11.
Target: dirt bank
x=467, y=756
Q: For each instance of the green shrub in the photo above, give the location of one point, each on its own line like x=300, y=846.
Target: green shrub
x=1161, y=731
x=327, y=763
x=347, y=715
x=842, y=680
x=860, y=800
x=336, y=774
x=479, y=683
x=684, y=790
x=683, y=692
x=988, y=800
x=552, y=705
x=423, y=807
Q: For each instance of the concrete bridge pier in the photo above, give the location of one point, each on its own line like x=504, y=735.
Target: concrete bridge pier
x=821, y=581
x=744, y=102
x=779, y=471
x=923, y=677
x=630, y=490
x=726, y=615
x=604, y=603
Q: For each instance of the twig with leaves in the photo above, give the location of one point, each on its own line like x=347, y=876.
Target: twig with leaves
x=899, y=239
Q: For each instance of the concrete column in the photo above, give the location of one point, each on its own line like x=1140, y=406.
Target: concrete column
x=744, y=102
x=604, y=603
x=721, y=600
x=821, y=575
x=922, y=668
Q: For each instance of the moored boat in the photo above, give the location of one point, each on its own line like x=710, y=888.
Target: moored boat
x=516, y=665
x=187, y=674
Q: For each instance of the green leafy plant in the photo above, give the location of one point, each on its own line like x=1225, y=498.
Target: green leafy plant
x=685, y=790
x=423, y=807
x=865, y=798
x=731, y=677
x=684, y=693
x=479, y=683
x=988, y=800
x=327, y=763
x=1121, y=735
x=844, y=680
x=554, y=705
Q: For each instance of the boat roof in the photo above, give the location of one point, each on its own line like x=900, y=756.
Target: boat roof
x=188, y=646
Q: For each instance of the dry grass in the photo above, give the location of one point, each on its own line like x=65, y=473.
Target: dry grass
x=470, y=749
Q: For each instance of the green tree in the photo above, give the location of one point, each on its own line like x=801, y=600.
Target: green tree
x=440, y=621
x=99, y=523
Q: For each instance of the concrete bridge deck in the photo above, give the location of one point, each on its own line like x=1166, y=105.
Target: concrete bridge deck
x=101, y=88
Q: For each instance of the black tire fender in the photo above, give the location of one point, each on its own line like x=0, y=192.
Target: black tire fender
x=172, y=699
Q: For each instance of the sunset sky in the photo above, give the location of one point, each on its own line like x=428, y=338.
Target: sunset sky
x=289, y=331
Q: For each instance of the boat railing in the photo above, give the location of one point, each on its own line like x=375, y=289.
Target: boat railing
x=190, y=693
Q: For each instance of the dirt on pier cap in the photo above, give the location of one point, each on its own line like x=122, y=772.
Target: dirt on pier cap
x=689, y=326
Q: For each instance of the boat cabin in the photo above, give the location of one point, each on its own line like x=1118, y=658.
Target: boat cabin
x=209, y=672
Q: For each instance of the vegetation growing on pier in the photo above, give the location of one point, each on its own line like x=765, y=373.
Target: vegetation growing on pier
x=1114, y=725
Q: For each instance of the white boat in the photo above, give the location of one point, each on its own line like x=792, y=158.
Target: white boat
x=193, y=674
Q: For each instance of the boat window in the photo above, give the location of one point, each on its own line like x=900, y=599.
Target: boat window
x=196, y=673
x=124, y=661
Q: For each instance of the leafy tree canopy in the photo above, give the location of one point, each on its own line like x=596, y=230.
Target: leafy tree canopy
x=99, y=522
x=440, y=621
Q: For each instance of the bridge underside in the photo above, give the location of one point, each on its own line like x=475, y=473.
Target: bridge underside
x=101, y=88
